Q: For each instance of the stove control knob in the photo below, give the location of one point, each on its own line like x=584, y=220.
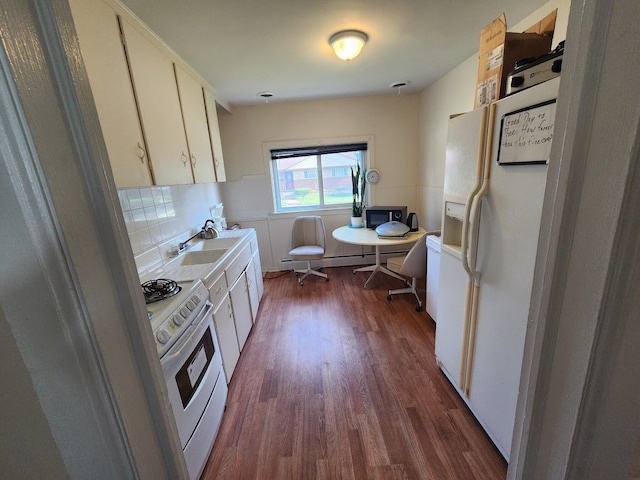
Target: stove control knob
x=178, y=320
x=191, y=304
x=196, y=299
x=163, y=336
x=184, y=311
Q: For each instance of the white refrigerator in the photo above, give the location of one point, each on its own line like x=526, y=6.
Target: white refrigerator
x=495, y=175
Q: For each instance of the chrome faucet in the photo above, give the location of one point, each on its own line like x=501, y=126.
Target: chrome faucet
x=209, y=231
x=183, y=245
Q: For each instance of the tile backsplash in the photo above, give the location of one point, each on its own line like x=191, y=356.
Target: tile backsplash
x=154, y=215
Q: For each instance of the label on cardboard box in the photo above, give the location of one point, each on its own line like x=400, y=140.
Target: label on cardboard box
x=487, y=91
x=494, y=60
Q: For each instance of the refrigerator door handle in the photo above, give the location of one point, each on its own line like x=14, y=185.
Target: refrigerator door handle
x=467, y=233
x=473, y=291
x=464, y=243
x=474, y=219
x=470, y=254
x=473, y=322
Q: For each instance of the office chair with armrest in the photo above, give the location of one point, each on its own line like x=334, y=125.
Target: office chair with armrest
x=413, y=265
x=308, y=243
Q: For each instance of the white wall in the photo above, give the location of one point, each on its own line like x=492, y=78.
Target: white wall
x=454, y=93
x=391, y=120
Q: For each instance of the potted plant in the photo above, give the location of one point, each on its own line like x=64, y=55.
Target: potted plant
x=358, y=185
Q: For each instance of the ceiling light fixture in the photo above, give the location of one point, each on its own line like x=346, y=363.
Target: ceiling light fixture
x=400, y=85
x=348, y=43
x=265, y=95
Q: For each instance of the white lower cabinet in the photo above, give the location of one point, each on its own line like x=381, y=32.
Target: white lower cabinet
x=227, y=337
x=235, y=290
x=240, y=302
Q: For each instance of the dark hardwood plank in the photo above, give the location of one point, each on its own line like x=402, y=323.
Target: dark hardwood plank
x=336, y=382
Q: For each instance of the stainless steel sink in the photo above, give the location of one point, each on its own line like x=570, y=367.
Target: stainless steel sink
x=202, y=256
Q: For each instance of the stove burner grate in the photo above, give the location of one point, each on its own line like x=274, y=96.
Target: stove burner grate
x=156, y=290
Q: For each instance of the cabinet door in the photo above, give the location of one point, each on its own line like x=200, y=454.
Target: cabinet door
x=227, y=338
x=103, y=54
x=154, y=84
x=195, y=124
x=214, y=136
x=241, y=308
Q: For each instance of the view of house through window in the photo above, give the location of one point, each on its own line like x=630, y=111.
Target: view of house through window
x=315, y=177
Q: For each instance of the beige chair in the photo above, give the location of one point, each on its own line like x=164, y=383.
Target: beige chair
x=307, y=243
x=412, y=265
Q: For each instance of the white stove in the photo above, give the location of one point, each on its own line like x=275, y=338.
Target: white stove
x=182, y=324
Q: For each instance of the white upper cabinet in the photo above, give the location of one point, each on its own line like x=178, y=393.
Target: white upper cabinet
x=158, y=125
x=154, y=85
x=99, y=35
x=214, y=135
x=195, y=125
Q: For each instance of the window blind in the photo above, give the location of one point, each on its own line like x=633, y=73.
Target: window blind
x=318, y=150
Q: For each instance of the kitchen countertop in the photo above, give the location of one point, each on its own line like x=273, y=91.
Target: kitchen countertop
x=207, y=272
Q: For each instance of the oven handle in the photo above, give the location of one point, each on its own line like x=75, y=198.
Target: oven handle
x=182, y=343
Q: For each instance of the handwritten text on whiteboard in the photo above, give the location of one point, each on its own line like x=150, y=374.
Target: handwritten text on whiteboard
x=526, y=135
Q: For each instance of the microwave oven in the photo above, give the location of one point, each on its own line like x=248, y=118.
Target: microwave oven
x=376, y=216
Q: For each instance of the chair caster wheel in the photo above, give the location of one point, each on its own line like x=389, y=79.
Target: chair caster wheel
x=418, y=308
x=389, y=297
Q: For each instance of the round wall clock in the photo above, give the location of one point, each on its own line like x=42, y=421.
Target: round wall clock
x=373, y=176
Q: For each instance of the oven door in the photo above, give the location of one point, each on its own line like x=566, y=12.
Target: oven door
x=191, y=368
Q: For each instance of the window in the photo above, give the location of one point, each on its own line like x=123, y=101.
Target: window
x=312, y=178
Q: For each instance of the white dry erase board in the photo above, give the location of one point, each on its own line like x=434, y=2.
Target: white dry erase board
x=526, y=134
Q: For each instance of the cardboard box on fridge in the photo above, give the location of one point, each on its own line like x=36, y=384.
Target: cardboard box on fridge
x=499, y=51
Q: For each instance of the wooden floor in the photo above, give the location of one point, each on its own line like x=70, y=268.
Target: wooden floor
x=336, y=382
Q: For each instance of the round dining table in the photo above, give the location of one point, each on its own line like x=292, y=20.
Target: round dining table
x=369, y=237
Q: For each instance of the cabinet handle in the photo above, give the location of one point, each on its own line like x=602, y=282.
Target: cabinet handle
x=219, y=289
x=216, y=163
x=141, y=153
x=184, y=159
x=193, y=160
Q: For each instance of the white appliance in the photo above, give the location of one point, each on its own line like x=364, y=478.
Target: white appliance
x=495, y=177
x=433, y=275
x=182, y=322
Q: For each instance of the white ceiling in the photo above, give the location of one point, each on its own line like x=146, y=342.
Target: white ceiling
x=242, y=47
